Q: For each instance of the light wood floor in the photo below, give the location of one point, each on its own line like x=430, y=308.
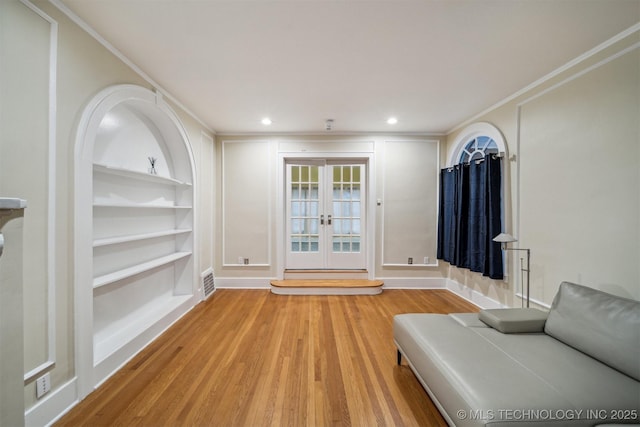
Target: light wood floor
x=253, y=358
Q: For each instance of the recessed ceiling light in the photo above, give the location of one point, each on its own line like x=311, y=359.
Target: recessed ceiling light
x=266, y=121
x=392, y=120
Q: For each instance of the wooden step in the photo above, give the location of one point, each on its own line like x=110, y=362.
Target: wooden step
x=326, y=287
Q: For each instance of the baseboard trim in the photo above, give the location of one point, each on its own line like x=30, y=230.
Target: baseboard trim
x=53, y=407
x=389, y=282
x=471, y=295
x=244, y=282
x=413, y=282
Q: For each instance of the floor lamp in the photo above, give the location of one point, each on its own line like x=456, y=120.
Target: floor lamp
x=503, y=239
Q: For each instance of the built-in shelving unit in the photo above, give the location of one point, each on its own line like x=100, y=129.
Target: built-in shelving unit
x=135, y=263
x=141, y=246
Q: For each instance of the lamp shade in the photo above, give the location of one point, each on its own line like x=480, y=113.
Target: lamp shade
x=504, y=238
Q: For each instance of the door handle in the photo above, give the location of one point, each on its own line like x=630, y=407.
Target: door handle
x=321, y=219
x=329, y=219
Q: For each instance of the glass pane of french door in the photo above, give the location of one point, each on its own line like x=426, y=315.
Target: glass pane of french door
x=346, y=208
x=304, y=208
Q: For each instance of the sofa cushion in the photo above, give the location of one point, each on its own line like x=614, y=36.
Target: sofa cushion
x=598, y=324
x=514, y=320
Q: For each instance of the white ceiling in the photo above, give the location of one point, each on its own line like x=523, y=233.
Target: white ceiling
x=432, y=63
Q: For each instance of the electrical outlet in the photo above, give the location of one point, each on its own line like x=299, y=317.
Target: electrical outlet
x=43, y=385
x=410, y=260
x=240, y=260
x=426, y=260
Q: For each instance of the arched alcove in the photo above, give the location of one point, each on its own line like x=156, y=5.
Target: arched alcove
x=134, y=228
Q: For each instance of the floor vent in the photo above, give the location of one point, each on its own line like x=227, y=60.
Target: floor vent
x=207, y=283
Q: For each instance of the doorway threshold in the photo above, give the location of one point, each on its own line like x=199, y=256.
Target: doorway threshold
x=309, y=274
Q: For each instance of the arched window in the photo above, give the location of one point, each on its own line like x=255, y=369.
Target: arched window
x=471, y=211
x=477, y=148
x=475, y=142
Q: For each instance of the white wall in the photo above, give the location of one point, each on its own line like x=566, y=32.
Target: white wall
x=24, y=159
x=250, y=206
x=205, y=161
x=580, y=181
x=247, y=195
x=84, y=67
x=573, y=188
x=410, y=202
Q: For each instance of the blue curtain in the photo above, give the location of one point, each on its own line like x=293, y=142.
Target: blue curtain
x=447, y=217
x=470, y=216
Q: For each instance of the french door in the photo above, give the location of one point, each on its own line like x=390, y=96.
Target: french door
x=325, y=215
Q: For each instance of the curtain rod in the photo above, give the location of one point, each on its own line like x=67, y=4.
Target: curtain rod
x=495, y=156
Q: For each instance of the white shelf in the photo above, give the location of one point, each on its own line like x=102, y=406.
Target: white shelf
x=12, y=203
x=138, y=205
x=128, y=328
x=136, y=237
x=137, y=269
x=127, y=173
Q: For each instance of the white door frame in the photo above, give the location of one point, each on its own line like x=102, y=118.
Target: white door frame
x=326, y=257
x=367, y=158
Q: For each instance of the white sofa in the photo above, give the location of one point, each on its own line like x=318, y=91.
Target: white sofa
x=577, y=366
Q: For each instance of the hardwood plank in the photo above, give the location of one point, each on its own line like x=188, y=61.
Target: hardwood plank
x=253, y=358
